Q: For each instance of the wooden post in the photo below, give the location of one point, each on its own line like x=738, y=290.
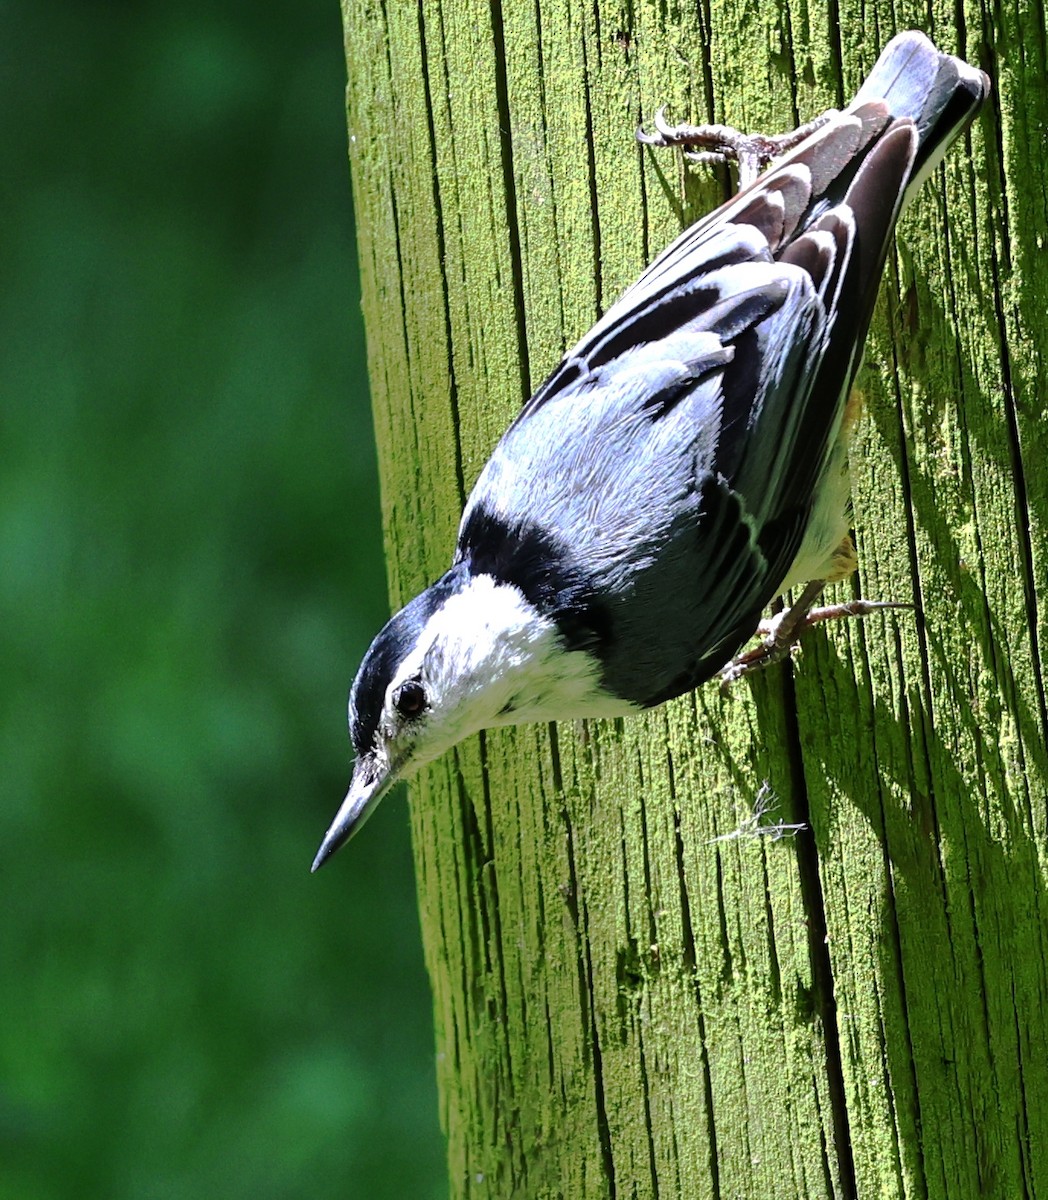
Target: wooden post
x=634, y=997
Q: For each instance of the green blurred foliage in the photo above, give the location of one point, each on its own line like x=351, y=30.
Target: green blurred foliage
x=190, y=568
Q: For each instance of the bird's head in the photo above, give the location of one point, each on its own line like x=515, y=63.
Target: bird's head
x=466, y=654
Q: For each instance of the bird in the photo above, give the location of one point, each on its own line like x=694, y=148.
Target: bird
x=684, y=465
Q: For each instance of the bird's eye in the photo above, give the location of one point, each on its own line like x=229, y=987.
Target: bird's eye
x=410, y=698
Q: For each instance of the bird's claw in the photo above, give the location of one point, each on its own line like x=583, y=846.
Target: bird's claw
x=723, y=143
x=780, y=633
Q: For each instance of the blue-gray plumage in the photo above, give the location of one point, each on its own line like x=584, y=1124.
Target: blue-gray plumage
x=684, y=464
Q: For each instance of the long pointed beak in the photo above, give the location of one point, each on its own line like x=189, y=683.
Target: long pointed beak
x=366, y=789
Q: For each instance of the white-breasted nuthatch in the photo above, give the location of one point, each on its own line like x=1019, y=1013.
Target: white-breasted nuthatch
x=684, y=465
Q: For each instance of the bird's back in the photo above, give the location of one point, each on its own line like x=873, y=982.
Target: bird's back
x=669, y=467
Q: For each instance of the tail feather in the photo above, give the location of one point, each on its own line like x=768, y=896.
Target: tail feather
x=936, y=91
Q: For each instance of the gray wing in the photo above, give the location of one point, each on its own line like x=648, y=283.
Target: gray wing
x=634, y=503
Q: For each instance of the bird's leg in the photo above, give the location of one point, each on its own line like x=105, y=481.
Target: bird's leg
x=722, y=143
x=781, y=632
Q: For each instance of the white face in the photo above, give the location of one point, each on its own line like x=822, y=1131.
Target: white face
x=485, y=658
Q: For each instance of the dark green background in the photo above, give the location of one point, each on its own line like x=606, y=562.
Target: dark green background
x=190, y=569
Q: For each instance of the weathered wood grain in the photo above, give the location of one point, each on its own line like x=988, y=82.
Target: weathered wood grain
x=626, y=1006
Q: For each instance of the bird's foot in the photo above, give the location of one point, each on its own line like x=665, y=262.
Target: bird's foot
x=780, y=633
x=722, y=143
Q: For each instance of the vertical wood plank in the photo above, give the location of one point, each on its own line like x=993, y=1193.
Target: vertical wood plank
x=631, y=997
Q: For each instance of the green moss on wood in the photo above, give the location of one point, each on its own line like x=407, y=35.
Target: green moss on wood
x=626, y=1006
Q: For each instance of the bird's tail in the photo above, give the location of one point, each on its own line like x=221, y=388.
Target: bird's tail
x=938, y=92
